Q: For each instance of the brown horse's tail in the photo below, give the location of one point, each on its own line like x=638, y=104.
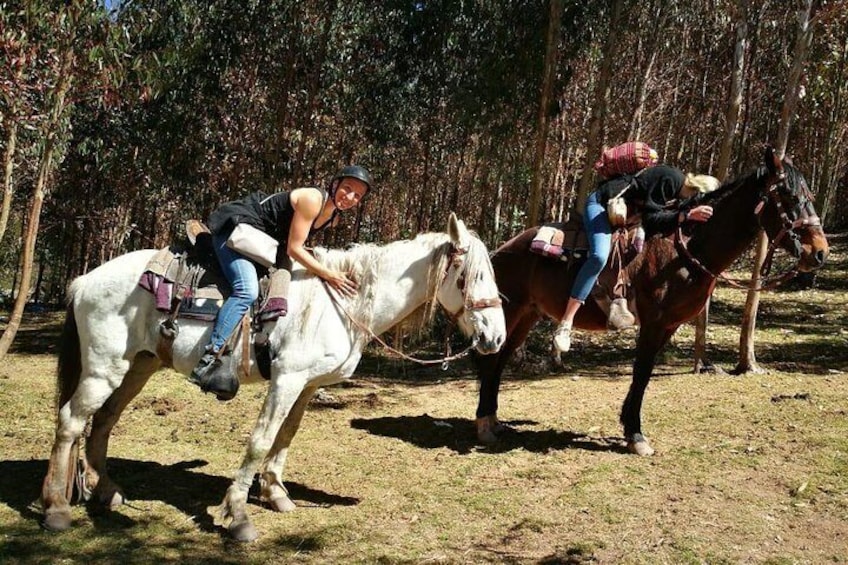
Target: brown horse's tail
x=70, y=359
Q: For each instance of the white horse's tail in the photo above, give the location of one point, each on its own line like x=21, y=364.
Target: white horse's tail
x=70, y=358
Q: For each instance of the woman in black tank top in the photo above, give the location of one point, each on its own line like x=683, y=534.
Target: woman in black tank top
x=290, y=218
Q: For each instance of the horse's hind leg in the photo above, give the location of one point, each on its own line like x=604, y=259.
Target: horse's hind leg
x=105, y=491
x=90, y=394
x=651, y=340
x=285, y=390
x=271, y=478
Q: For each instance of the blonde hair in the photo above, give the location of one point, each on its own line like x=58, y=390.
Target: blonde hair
x=698, y=184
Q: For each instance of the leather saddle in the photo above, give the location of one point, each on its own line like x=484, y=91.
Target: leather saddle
x=568, y=242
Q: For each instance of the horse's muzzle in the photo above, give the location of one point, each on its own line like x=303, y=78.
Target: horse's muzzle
x=488, y=344
x=814, y=254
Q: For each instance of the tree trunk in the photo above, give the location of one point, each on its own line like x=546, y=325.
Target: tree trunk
x=314, y=87
x=737, y=88
x=45, y=169
x=747, y=358
x=8, y=182
x=731, y=123
x=828, y=180
x=542, y=121
x=594, y=139
x=9, y=160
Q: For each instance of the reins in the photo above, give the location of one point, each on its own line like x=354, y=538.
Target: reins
x=448, y=357
x=767, y=282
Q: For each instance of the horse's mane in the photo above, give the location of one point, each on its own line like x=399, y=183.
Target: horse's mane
x=794, y=182
x=728, y=187
x=364, y=262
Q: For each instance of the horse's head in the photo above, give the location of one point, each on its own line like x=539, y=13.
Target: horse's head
x=468, y=291
x=787, y=214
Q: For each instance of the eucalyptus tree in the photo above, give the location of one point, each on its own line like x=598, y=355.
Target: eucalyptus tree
x=63, y=40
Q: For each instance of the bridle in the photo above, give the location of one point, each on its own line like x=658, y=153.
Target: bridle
x=787, y=229
x=468, y=306
x=462, y=283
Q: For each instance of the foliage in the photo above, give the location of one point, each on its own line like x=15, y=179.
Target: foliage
x=180, y=105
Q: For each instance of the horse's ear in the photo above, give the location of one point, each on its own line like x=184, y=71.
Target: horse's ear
x=457, y=231
x=773, y=162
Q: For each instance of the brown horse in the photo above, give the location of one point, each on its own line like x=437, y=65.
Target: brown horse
x=668, y=285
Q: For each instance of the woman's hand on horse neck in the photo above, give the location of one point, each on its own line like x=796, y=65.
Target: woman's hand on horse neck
x=308, y=204
x=700, y=213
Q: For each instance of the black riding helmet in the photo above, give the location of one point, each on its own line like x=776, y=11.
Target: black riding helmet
x=354, y=172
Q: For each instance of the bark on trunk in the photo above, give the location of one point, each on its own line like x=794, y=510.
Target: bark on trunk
x=731, y=123
x=45, y=169
x=542, y=121
x=594, y=139
x=747, y=357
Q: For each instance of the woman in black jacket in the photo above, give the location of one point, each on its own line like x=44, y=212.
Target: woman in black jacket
x=648, y=192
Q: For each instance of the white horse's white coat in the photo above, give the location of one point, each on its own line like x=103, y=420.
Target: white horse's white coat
x=314, y=345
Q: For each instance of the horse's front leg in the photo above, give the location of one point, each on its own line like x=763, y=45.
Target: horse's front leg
x=105, y=491
x=491, y=367
x=271, y=478
x=282, y=395
x=651, y=340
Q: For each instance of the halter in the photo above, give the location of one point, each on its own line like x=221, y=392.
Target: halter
x=468, y=305
x=788, y=228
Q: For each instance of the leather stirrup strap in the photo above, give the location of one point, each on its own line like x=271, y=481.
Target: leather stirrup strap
x=245, y=347
x=169, y=329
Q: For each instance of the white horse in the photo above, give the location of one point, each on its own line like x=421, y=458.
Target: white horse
x=112, y=329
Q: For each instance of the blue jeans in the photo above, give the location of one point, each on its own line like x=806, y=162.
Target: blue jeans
x=241, y=274
x=599, y=232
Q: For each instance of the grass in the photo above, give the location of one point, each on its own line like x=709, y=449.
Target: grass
x=749, y=469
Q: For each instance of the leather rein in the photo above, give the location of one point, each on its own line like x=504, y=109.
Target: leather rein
x=788, y=227
x=468, y=305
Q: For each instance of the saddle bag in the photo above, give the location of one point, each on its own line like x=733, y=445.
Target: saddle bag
x=617, y=209
x=254, y=244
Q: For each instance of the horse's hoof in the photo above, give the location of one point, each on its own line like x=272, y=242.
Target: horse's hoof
x=487, y=437
x=58, y=521
x=243, y=531
x=497, y=427
x=642, y=448
x=485, y=430
x=281, y=504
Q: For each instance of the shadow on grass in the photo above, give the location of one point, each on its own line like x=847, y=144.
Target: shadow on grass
x=455, y=434
x=179, y=485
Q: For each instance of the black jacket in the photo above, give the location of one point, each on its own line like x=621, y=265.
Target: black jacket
x=651, y=190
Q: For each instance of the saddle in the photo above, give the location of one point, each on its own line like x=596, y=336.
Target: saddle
x=568, y=242
x=186, y=282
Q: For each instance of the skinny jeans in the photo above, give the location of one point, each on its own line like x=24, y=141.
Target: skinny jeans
x=599, y=233
x=240, y=272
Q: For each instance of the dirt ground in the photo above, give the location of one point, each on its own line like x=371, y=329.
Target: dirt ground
x=748, y=469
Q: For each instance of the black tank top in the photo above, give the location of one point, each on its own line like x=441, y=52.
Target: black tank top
x=272, y=214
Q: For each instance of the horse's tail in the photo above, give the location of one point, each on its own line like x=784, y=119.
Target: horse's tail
x=70, y=357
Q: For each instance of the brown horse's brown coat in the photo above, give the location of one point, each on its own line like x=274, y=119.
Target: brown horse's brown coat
x=667, y=289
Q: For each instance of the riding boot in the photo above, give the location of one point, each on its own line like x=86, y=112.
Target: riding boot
x=562, y=337
x=211, y=376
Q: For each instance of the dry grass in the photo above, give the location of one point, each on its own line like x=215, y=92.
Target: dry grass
x=750, y=469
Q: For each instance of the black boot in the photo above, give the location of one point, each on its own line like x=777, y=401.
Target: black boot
x=210, y=376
